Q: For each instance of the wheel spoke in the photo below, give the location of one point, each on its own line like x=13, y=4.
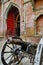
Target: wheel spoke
x=13, y=45
x=8, y=57
x=11, y=61
x=9, y=47
x=8, y=52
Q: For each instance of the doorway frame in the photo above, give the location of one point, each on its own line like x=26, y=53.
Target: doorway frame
x=37, y=16
x=6, y=13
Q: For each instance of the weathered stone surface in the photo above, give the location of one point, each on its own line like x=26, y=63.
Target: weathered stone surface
x=27, y=17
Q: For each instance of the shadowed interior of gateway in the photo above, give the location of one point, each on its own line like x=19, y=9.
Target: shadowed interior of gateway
x=13, y=22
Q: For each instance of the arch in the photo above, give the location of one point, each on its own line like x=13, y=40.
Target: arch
x=17, y=17
x=9, y=6
x=7, y=11
x=39, y=25
x=37, y=16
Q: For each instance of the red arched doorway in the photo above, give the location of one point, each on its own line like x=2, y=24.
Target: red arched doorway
x=39, y=25
x=13, y=25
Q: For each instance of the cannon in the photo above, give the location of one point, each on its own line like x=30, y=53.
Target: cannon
x=15, y=49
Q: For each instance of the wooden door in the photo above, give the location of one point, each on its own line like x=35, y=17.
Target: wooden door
x=11, y=23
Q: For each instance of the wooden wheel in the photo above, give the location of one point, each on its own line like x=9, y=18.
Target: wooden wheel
x=11, y=53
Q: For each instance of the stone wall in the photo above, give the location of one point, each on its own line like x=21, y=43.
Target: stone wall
x=28, y=18
x=1, y=23
x=30, y=32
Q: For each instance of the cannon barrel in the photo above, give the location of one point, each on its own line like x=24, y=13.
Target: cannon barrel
x=26, y=46
x=20, y=42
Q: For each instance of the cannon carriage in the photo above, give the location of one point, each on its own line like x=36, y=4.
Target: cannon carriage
x=15, y=49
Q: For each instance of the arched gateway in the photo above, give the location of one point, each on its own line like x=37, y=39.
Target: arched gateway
x=39, y=25
x=13, y=21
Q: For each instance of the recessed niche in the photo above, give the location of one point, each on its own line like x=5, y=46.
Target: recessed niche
x=38, y=4
x=39, y=25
